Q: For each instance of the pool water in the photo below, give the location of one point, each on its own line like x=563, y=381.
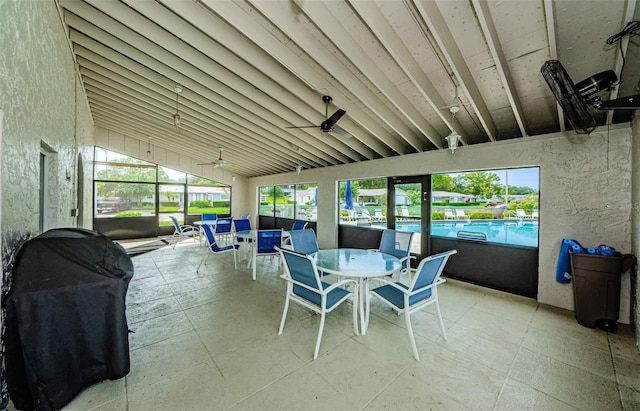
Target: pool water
x=504, y=232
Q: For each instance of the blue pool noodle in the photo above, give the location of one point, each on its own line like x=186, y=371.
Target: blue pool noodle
x=591, y=251
x=563, y=270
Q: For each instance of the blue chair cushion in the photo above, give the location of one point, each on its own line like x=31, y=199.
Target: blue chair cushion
x=396, y=297
x=333, y=297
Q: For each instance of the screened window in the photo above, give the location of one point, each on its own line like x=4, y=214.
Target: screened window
x=297, y=202
x=500, y=206
x=363, y=202
x=126, y=187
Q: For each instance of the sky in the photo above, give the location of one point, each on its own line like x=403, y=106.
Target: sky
x=522, y=177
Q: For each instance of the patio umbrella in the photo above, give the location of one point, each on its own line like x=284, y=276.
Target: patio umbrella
x=348, y=196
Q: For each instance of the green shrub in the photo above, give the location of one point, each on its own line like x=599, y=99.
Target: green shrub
x=169, y=204
x=129, y=214
x=481, y=215
x=437, y=215
x=221, y=204
x=201, y=203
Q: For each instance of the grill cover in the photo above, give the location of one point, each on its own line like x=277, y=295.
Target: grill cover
x=66, y=327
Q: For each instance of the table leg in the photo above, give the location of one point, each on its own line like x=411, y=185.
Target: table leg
x=362, y=294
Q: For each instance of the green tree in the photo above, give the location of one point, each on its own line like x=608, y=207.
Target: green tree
x=443, y=182
x=373, y=183
x=481, y=184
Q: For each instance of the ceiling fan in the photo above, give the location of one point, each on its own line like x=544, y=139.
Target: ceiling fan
x=220, y=162
x=329, y=124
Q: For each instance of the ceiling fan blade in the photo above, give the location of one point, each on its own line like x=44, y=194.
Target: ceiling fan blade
x=205, y=164
x=336, y=116
x=302, y=127
x=341, y=132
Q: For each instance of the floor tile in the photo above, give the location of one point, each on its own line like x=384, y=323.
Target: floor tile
x=209, y=340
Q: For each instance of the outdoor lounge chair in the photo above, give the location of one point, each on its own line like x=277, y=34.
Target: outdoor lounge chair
x=183, y=231
x=460, y=215
x=379, y=216
x=421, y=292
x=522, y=215
x=448, y=215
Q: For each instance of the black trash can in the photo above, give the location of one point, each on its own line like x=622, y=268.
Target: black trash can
x=596, y=288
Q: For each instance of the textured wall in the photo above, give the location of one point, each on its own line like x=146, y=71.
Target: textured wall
x=635, y=221
x=585, y=192
x=44, y=110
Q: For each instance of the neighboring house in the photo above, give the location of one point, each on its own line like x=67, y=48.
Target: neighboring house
x=304, y=196
x=377, y=196
x=447, y=196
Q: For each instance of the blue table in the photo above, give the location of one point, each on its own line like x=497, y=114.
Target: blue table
x=360, y=264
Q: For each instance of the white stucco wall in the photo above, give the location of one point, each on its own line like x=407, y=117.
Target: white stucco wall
x=635, y=221
x=44, y=109
x=585, y=192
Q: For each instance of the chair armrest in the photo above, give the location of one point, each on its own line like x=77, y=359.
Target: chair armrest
x=187, y=227
x=340, y=283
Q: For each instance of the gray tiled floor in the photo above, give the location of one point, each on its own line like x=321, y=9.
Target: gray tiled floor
x=209, y=341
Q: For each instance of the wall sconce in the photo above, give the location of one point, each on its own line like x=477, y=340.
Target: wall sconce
x=67, y=174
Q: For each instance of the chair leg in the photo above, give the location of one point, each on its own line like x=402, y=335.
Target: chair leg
x=315, y=354
x=284, y=314
x=444, y=333
x=235, y=258
x=255, y=257
x=202, y=262
x=355, y=311
x=407, y=318
x=176, y=238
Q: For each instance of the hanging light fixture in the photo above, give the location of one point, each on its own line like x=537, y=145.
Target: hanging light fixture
x=176, y=117
x=149, y=148
x=454, y=138
x=298, y=168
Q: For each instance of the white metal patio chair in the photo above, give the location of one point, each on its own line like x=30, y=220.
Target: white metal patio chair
x=420, y=293
x=305, y=287
x=214, y=248
x=183, y=231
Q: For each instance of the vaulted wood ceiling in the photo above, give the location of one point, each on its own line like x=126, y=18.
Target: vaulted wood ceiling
x=249, y=69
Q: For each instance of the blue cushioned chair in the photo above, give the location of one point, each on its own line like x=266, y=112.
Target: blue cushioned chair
x=398, y=244
x=241, y=224
x=299, y=225
x=223, y=229
x=209, y=217
x=267, y=243
x=245, y=216
x=421, y=292
x=303, y=241
x=182, y=231
x=305, y=287
x=215, y=248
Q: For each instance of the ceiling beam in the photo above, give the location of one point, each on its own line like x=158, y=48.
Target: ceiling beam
x=370, y=13
x=550, y=20
x=192, y=75
x=291, y=26
x=502, y=67
x=244, y=47
x=430, y=14
x=325, y=20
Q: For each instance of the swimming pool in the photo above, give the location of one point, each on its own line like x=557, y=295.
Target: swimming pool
x=504, y=232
